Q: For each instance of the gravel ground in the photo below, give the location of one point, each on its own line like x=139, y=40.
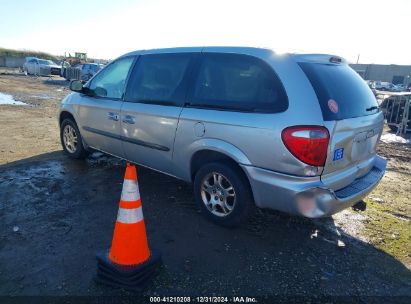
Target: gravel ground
x=57, y=213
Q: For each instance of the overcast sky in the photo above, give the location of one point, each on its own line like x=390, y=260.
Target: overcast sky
x=377, y=30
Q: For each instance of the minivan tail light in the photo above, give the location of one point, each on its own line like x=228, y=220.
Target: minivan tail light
x=307, y=143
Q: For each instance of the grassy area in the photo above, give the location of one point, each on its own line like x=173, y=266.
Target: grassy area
x=389, y=231
x=26, y=53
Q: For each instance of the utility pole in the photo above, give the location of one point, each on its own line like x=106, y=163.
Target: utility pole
x=358, y=58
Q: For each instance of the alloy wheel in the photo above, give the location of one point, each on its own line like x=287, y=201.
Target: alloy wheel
x=218, y=194
x=70, y=138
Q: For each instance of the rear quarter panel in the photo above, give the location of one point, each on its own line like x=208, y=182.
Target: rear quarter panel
x=257, y=136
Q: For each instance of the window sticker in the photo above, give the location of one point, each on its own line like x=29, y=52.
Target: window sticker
x=333, y=106
x=338, y=154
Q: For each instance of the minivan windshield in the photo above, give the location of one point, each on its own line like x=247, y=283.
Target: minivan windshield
x=342, y=93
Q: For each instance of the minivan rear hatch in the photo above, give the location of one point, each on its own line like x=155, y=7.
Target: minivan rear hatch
x=350, y=112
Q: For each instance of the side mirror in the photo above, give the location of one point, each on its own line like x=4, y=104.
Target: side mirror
x=76, y=86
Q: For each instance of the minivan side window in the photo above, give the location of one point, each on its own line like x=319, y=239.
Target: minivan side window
x=159, y=79
x=110, y=82
x=239, y=83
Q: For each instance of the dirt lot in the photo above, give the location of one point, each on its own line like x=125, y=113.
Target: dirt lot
x=57, y=213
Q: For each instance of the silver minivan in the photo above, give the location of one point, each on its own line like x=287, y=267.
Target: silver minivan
x=246, y=126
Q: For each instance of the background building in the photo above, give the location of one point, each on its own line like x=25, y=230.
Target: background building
x=396, y=74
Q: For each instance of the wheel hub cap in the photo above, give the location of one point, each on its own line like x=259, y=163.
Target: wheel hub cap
x=218, y=194
x=70, y=138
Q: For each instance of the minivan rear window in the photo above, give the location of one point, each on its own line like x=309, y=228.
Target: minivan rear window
x=341, y=92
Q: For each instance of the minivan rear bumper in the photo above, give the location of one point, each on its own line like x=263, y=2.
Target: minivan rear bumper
x=309, y=196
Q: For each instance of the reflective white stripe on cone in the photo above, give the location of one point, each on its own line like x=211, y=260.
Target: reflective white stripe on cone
x=130, y=216
x=130, y=191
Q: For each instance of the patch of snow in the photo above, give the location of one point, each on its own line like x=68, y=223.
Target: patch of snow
x=392, y=138
x=42, y=96
x=344, y=222
x=6, y=99
x=99, y=158
x=350, y=222
x=96, y=155
x=376, y=199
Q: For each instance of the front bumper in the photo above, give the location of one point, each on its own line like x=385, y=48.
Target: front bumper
x=309, y=196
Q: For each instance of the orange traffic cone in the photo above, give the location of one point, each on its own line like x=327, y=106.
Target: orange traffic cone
x=129, y=263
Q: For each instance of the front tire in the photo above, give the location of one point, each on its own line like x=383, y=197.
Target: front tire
x=71, y=139
x=223, y=193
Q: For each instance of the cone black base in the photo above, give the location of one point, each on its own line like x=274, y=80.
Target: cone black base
x=127, y=277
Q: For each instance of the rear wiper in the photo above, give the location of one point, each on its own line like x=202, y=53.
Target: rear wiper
x=372, y=108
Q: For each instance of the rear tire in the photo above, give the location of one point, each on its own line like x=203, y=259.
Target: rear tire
x=225, y=207
x=71, y=139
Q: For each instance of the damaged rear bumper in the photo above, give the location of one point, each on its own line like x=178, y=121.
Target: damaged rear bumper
x=309, y=196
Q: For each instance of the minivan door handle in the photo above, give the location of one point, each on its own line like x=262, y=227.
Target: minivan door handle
x=129, y=119
x=113, y=116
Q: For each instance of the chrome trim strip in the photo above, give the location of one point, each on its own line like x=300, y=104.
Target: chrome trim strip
x=127, y=139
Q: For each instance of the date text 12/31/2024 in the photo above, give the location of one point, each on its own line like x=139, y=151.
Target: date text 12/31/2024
x=236, y=299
